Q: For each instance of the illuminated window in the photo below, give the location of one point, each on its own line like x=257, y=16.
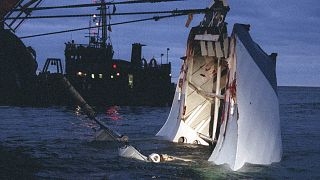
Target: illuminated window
x=81, y=74
x=130, y=76
x=92, y=76
x=100, y=76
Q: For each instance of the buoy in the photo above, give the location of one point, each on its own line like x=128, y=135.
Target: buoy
x=155, y=158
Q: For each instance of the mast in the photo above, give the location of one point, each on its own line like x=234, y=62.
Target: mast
x=103, y=12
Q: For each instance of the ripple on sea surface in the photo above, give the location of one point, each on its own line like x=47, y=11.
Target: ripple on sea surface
x=59, y=144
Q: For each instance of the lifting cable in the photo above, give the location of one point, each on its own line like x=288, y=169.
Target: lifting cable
x=94, y=5
x=155, y=18
x=185, y=11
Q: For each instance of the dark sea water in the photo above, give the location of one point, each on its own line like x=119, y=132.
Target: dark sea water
x=54, y=143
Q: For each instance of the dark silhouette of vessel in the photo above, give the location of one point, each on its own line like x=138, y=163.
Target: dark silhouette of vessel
x=91, y=69
x=101, y=79
x=18, y=67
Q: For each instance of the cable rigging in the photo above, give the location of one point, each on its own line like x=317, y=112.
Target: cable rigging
x=186, y=11
x=155, y=18
x=94, y=5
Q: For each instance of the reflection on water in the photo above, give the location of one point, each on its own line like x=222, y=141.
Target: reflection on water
x=113, y=114
x=60, y=145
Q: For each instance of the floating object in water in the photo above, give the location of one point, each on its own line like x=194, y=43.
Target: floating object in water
x=227, y=96
x=131, y=152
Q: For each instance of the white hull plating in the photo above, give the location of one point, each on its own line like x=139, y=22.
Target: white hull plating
x=253, y=137
x=174, y=127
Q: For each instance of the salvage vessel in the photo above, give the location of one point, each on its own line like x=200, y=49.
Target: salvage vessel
x=91, y=68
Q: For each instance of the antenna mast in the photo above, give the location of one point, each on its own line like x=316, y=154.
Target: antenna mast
x=103, y=11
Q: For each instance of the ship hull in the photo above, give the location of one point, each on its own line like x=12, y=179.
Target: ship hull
x=247, y=126
x=252, y=133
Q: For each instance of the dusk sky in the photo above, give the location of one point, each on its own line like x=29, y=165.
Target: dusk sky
x=290, y=28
